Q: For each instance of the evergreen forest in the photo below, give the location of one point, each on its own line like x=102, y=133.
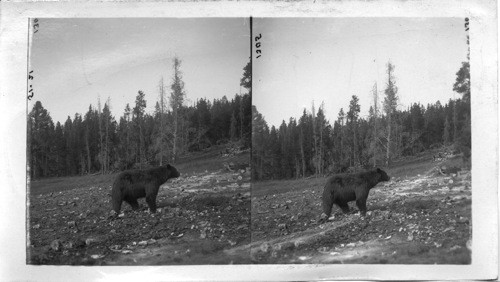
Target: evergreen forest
x=313, y=145
x=98, y=142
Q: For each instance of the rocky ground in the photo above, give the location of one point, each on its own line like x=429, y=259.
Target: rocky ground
x=422, y=216
x=213, y=216
x=201, y=214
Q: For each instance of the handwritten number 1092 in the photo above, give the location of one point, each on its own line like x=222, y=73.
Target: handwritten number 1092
x=257, y=45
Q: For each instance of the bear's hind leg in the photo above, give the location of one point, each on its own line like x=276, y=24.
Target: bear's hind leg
x=132, y=202
x=344, y=206
x=151, y=193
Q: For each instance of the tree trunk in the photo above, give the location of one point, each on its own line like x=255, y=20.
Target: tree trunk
x=388, y=151
x=301, y=139
x=89, y=164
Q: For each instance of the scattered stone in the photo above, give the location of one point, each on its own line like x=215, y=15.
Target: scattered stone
x=55, y=245
x=286, y=246
x=469, y=245
x=264, y=247
x=203, y=233
x=68, y=245
x=36, y=226
x=410, y=237
x=456, y=247
x=304, y=258
x=324, y=250
x=298, y=243
x=89, y=241
x=97, y=256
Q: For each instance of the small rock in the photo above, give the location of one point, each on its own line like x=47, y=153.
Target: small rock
x=456, y=247
x=71, y=224
x=203, y=233
x=142, y=243
x=55, y=245
x=410, y=237
x=303, y=258
x=469, y=244
x=298, y=243
x=36, y=226
x=68, y=245
x=89, y=241
x=282, y=226
x=264, y=247
x=287, y=246
x=323, y=250
x=97, y=256
x=350, y=245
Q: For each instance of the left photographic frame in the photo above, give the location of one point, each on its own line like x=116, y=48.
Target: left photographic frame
x=138, y=141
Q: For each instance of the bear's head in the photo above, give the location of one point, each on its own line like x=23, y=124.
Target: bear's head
x=172, y=172
x=383, y=175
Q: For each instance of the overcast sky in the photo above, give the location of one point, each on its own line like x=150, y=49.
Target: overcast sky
x=331, y=59
x=75, y=60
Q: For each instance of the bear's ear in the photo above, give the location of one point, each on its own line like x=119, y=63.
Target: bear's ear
x=378, y=169
x=168, y=166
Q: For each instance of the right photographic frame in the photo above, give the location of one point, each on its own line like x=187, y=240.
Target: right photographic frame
x=361, y=141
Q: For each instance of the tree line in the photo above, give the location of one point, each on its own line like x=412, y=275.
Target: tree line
x=99, y=142
x=313, y=145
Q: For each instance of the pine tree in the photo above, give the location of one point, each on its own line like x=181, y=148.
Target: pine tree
x=176, y=101
x=138, y=120
x=352, y=117
x=390, y=104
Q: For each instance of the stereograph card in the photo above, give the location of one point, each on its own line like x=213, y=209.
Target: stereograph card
x=249, y=140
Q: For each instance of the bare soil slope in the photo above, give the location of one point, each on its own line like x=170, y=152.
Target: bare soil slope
x=421, y=216
x=202, y=213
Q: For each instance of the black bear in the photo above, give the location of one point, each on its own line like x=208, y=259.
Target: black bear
x=343, y=188
x=133, y=184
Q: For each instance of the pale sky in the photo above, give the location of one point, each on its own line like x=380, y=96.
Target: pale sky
x=331, y=59
x=75, y=60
